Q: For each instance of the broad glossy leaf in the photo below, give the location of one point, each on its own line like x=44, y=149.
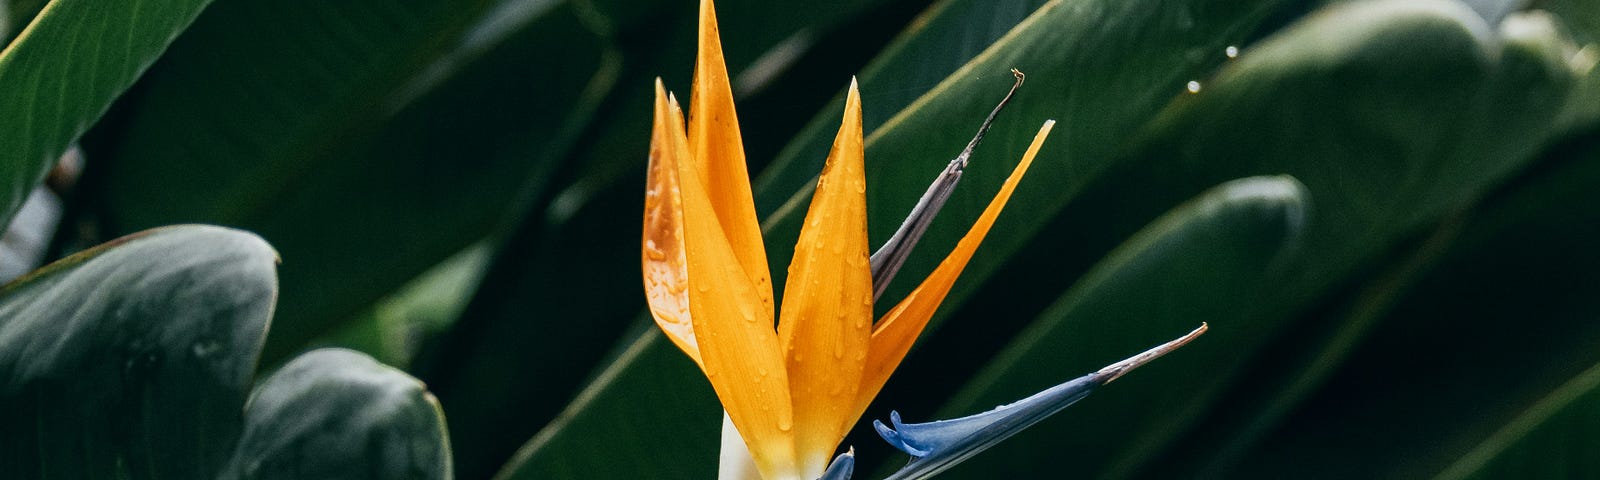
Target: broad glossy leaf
x=75, y=59
x=1206, y=261
x=133, y=359
x=370, y=141
x=1502, y=321
x=1364, y=104
x=335, y=413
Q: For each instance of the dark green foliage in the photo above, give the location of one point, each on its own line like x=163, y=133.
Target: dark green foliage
x=1401, y=286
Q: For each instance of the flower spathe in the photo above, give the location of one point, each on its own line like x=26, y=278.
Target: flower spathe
x=792, y=391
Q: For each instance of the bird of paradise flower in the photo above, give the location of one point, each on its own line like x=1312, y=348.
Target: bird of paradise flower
x=791, y=393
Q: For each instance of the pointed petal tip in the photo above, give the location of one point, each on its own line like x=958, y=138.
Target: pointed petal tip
x=852, y=98
x=843, y=466
x=1117, y=370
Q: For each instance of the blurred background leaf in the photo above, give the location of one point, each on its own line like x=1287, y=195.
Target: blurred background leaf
x=1492, y=333
x=363, y=127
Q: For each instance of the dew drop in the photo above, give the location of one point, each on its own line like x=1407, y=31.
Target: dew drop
x=1231, y=51
x=1194, y=86
x=785, y=421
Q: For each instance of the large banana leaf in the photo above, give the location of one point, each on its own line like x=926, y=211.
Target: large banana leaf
x=75, y=58
x=367, y=140
x=1362, y=158
x=1517, y=316
x=132, y=360
x=1547, y=440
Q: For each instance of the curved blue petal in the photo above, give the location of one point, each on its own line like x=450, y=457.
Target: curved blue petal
x=937, y=446
x=842, y=467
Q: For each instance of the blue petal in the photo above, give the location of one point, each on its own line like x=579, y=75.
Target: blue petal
x=937, y=446
x=843, y=465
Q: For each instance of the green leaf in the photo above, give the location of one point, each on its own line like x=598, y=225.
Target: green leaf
x=1501, y=321
x=1206, y=261
x=1550, y=438
x=672, y=432
x=1364, y=104
x=394, y=328
x=369, y=142
x=63, y=73
x=1546, y=441
x=335, y=413
x=133, y=359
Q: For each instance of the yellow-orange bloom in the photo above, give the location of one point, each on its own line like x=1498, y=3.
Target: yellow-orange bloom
x=792, y=391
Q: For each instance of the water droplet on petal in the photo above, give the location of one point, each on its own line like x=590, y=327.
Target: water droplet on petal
x=785, y=421
x=1194, y=86
x=1231, y=51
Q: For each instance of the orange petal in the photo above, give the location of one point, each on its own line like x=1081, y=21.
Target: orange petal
x=666, y=274
x=826, y=320
x=718, y=151
x=898, y=329
x=738, y=346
